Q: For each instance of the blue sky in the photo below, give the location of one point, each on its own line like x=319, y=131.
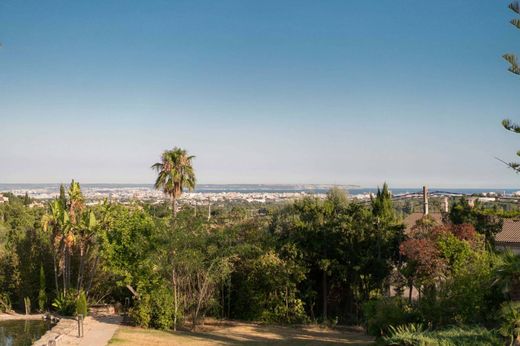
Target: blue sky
x=346, y=92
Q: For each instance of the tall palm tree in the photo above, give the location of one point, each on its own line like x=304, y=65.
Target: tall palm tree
x=174, y=174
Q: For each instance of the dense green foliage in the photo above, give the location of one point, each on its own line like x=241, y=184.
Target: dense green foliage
x=415, y=334
x=326, y=260
x=311, y=260
x=452, y=270
x=487, y=222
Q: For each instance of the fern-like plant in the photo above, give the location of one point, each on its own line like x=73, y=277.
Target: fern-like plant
x=510, y=315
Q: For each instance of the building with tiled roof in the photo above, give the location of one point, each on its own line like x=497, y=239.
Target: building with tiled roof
x=509, y=237
x=412, y=219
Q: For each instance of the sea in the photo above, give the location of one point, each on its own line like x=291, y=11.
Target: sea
x=256, y=188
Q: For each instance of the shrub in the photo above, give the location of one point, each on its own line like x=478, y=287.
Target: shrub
x=381, y=314
x=27, y=304
x=411, y=334
x=407, y=334
x=292, y=312
x=5, y=303
x=162, y=308
x=65, y=304
x=81, y=304
x=141, y=312
x=155, y=309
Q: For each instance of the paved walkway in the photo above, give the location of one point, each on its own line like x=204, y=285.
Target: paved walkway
x=97, y=330
x=100, y=330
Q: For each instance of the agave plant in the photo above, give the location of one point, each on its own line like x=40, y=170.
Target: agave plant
x=405, y=334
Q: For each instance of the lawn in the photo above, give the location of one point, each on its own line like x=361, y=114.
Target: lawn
x=236, y=334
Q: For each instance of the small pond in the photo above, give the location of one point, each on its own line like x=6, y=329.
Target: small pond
x=22, y=332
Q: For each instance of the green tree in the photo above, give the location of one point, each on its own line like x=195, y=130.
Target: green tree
x=382, y=205
x=72, y=229
x=345, y=251
x=63, y=196
x=193, y=262
x=487, y=222
x=26, y=200
x=126, y=246
x=174, y=174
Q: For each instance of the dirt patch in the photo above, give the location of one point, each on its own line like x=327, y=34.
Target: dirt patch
x=237, y=334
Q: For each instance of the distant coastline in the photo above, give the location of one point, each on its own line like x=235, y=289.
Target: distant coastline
x=254, y=188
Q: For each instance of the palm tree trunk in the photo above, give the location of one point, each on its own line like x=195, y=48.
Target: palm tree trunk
x=174, y=207
x=64, y=268
x=81, y=271
x=55, y=270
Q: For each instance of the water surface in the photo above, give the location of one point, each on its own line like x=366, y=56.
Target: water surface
x=22, y=332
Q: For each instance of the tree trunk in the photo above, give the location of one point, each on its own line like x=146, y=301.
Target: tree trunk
x=92, y=274
x=324, y=288
x=174, y=207
x=229, y=298
x=81, y=269
x=175, y=303
x=202, y=293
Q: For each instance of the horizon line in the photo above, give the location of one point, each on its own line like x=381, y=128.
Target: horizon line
x=352, y=186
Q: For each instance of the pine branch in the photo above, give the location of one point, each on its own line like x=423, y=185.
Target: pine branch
x=513, y=165
x=511, y=126
x=511, y=59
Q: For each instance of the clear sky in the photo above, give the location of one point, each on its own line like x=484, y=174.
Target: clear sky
x=346, y=92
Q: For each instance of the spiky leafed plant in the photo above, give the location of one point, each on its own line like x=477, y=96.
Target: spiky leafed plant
x=510, y=315
x=514, y=67
x=508, y=275
x=174, y=174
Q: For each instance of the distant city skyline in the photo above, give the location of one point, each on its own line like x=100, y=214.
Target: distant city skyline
x=272, y=92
